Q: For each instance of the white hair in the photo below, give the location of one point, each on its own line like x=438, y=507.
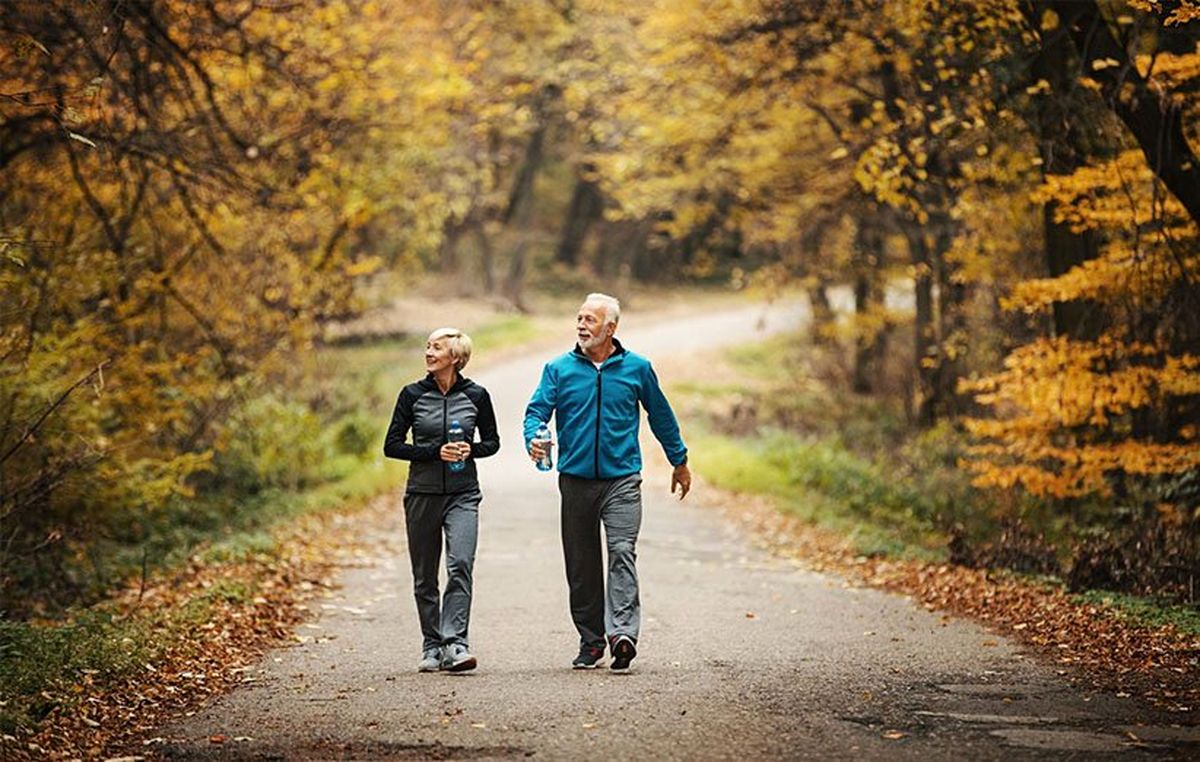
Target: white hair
x=458, y=343
x=612, y=307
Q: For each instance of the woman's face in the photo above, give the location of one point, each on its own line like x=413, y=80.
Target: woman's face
x=437, y=356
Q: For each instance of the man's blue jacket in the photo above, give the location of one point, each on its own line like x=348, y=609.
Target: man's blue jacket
x=596, y=413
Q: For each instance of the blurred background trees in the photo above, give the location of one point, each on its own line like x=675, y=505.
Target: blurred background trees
x=1004, y=192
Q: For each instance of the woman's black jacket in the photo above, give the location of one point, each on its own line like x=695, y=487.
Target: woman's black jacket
x=423, y=408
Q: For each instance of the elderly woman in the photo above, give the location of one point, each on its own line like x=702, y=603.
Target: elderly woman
x=442, y=496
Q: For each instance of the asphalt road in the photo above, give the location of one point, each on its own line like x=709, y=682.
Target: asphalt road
x=742, y=655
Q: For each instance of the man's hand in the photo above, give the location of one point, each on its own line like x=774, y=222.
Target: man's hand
x=682, y=478
x=537, y=450
x=452, y=452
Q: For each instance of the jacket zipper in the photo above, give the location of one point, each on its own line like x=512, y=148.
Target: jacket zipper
x=599, y=397
x=445, y=436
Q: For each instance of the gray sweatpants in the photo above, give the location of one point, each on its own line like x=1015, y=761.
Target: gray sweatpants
x=426, y=518
x=617, y=504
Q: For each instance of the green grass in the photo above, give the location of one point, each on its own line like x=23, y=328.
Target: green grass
x=507, y=331
x=43, y=668
x=1145, y=612
x=42, y=664
x=825, y=485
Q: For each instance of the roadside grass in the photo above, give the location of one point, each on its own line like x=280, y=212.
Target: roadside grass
x=761, y=420
x=49, y=667
x=1145, y=612
x=343, y=406
x=825, y=485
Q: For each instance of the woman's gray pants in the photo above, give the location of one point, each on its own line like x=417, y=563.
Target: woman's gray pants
x=617, y=504
x=427, y=517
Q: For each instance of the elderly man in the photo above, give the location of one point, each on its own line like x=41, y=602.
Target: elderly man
x=593, y=393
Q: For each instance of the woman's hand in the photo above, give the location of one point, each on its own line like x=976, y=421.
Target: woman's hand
x=452, y=452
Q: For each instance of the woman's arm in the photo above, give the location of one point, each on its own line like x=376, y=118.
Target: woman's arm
x=485, y=427
x=394, y=444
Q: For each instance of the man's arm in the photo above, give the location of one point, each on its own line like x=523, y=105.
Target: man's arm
x=662, y=418
x=666, y=430
x=542, y=404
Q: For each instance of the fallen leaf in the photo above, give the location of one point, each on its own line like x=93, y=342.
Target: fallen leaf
x=894, y=735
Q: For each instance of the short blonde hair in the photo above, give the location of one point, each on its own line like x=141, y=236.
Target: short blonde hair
x=458, y=343
x=612, y=307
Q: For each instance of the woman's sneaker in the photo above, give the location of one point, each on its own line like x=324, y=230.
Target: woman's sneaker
x=431, y=661
x=457, y=658
x=623, y=651
x=589, y=658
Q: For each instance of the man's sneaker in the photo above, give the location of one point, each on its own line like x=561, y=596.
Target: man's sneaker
x=623, y=651
x=431, y=661
x=457, y=658
x=589, y=658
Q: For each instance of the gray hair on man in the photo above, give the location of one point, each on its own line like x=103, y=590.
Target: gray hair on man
x=612, y=307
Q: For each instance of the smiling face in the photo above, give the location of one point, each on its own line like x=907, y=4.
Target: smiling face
x=592, y=327
x=438, y=356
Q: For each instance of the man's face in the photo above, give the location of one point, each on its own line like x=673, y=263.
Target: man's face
x=591, y=326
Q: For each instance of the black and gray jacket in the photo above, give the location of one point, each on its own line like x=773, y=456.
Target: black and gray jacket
x=423, y=408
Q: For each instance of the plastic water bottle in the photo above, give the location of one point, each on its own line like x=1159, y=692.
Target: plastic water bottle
x=455, y=434
x=546, y=462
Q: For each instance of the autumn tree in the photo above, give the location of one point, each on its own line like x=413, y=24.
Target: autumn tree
x=1106, y=403
x=187, y=190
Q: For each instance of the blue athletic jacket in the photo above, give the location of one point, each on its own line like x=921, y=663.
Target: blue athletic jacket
x=596, y=413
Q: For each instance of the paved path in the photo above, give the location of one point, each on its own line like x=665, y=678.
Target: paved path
x=742, y=655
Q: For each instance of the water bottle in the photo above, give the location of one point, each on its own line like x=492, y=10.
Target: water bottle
x=455, y=434
x=546, y=462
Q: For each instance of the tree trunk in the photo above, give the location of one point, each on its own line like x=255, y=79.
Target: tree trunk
x=822, y=311
x=586, y=206
x=952, y=322
x=520, y=198
x=1063, y=149
x=1155, y=122
x=925, y=340
x=487, y=258
x=452, y=233
x=868, y=296
x=514, y=284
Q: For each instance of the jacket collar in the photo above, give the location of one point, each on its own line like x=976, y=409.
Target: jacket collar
x=618, y=353
x=429, y=383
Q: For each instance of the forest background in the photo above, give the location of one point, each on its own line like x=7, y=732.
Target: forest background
x=197, y=199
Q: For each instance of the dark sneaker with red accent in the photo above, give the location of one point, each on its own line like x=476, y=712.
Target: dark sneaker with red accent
x=457, y=658
x=589, y=658
x=623, y=651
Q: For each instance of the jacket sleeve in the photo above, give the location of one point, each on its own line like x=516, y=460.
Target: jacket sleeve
x=394, y=444
x=542, y=404
x=485, y=427
x=662, y=418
